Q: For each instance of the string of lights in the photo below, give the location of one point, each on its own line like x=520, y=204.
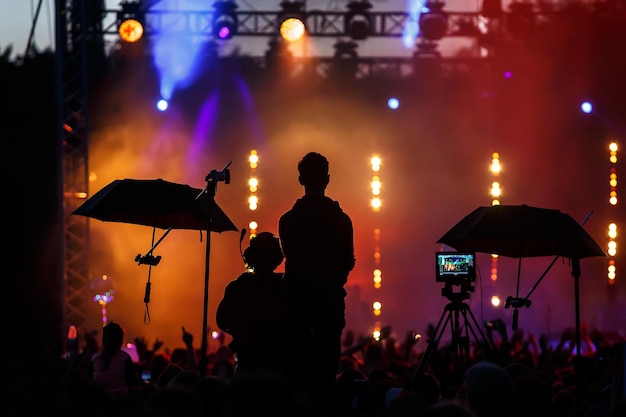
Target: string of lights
x=613, y=204
x=253, y=187
x=377, y=274
x=496, y=193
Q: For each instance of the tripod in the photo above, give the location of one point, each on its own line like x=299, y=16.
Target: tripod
x=458, y=315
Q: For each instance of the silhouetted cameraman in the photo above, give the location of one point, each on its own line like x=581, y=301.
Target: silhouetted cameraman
x=252, y=308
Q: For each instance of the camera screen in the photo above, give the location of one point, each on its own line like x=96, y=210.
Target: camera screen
x=455, y=267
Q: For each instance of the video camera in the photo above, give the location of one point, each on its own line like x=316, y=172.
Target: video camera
x=455, y=268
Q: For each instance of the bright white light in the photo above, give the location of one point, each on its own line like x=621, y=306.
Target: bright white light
x=292, y=29
x=375, y=163
x=393, y=103
x=495, y=301
x=411, y=28
x=162, y=104
x=586, y=107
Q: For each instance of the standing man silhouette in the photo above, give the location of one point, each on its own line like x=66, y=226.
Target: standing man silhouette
x=318, y=243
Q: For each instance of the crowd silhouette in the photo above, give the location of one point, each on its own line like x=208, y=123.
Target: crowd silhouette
x=286, y=358
x=374, y=379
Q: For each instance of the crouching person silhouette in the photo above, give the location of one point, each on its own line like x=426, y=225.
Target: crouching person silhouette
x=251, y=310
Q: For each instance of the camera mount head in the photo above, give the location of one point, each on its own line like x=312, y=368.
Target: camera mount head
x=516, y=302
x=457, y=297
x=217, y=176
x=147, y=259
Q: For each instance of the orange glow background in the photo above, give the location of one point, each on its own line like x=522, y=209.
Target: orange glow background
x=436, y=155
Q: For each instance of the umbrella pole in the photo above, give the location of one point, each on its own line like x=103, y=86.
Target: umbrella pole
x=211, y=189
x=211, y=179
x=576, y=275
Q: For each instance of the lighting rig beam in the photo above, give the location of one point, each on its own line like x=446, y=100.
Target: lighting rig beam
x=264, y=24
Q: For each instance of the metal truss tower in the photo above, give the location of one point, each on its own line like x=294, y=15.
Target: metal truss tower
x=73, y=30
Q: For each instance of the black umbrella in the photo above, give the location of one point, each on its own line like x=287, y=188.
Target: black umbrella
x=165, y=205
x=522, y=231
x=156, y=203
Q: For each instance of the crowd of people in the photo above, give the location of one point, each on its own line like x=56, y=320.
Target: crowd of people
x=521, y=377
x=288, y=358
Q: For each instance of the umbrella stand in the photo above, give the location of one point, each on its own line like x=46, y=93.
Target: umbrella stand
x=211, y=179
x=576, y=275
x=517, y=302
x=148, y=258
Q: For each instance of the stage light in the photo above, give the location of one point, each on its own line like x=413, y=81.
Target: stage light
x=495, y=301
x=224, y=19
x=427, y=63
x=162, y=104
x=358, y=20
x=291, y=24
x=433, y=23
x=253, y=184
x=278, y=58
x=253, y=159
x=130, y=21
x=345, y=59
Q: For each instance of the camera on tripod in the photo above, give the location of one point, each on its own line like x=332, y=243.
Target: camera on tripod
x=456, y=269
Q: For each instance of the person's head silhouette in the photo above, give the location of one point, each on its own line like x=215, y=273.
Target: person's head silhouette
x=313, y=170
x=264, y=252
x=113, y=336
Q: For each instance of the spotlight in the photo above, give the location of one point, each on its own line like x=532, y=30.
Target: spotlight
x=224, y=19
x=427, y=63
x=345, y=59
x=393, y=103
x=358, y=20
x=162, y=104
x=278, y=58
x=433, y=23
x=345, y=50
x=130, y=21
x=291, y=21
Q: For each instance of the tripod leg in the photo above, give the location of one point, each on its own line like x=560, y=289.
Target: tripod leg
x=460, y=342
x=477, y=332
x=433, y=342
